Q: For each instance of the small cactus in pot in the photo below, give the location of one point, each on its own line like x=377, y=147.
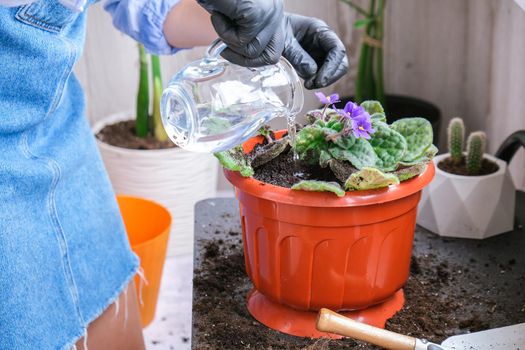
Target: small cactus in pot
x=471, y=161
x=475, y=149
x=456, y=135
x=479, y=203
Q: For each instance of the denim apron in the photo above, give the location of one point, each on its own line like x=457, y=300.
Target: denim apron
x=64, y=254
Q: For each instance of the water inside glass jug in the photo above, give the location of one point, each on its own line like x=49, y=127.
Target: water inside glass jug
x=212, y=105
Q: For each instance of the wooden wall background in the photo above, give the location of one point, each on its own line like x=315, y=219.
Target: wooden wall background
x=465, y=56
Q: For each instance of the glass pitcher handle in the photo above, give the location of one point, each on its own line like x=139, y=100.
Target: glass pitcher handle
x=215, y=49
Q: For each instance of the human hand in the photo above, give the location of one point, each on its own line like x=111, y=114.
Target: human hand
x=253, y=30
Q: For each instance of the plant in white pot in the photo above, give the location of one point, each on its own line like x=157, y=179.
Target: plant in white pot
x=141, y=161
x=472, y=194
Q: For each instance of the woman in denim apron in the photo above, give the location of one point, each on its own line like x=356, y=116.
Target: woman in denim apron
x=65, y=262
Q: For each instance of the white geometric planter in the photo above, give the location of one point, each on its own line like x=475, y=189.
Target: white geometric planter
x=468, y=206
x=172, y=177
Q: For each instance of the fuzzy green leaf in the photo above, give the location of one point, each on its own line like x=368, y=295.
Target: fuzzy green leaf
x=378, y=117
x=310, y=141
x=324, y=158
x=373, y=107
x=345, y=142
x=410, y=172
x=427, y=157
x=369, y=179
x=235, y=159
x=335, y=124
x=418, y=134
x=361, y=154
x=319, y=186
x=320, y=123
x=389, y=145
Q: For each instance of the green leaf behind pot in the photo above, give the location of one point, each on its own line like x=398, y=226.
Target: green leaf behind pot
x=319, y=186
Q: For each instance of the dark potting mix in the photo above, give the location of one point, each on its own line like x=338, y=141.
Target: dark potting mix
x=122, y=134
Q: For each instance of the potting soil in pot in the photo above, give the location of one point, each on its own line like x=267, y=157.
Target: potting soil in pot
x=447, y=165
x=284, y=171
x=122, y=134
x=456, y=286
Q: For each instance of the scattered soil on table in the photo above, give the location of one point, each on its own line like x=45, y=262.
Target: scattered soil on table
x=487, y=167
x=122, y=134
x=432, y=310
x=282, y=171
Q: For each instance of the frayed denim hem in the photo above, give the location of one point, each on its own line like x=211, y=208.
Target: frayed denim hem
x=71, y=344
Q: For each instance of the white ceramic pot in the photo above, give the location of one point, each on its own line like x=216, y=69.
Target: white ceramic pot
x=468, y=206
x=172, y=177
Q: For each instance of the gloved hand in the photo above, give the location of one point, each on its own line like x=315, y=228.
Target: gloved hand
x=315, y=51
x=257, y=33
x=253, y=30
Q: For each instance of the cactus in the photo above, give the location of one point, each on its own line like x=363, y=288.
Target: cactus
x=456, y=135
x=475, y=149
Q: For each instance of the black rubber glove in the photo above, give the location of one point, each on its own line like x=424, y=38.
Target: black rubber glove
x=315, y=51
x=253, y=30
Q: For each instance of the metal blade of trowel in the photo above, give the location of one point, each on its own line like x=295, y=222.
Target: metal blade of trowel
x=505, y=338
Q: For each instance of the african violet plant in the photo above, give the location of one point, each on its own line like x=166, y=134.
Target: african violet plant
x=355, y=143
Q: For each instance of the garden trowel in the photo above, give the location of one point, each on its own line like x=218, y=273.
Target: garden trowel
x=506, y=338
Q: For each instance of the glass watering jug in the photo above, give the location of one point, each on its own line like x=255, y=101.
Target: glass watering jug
x=212, y=105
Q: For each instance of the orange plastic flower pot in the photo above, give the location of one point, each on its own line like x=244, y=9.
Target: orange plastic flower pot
x=148, y=226
x=308, y=250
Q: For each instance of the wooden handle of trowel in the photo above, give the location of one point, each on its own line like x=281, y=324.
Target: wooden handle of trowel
x=331, y=322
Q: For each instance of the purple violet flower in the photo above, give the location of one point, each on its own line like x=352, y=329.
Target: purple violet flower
x=360, y=119
x=352, y=110
x=327, y=100
x=362, y=126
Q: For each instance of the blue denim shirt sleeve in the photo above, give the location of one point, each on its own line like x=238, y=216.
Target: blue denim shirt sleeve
x=143, y=20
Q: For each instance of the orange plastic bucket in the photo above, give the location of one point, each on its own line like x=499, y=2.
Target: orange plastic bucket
x=308, y=250
x=148, y=226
